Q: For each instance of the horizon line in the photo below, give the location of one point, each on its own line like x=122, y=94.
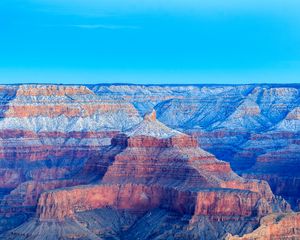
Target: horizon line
x=152, y=84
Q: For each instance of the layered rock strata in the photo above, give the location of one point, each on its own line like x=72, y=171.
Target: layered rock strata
x=275, y=227
x=47, y=133
x=239, y=124
x=166, y=170
x=55, y=133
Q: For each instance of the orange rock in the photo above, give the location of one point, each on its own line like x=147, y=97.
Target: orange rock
x=151, y=116
x=51, y=90
x=227, y=203
x=171, y=173
x=85, y=109
x=274, y=227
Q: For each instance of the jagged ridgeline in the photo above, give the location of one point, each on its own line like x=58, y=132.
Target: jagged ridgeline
x=149, y=162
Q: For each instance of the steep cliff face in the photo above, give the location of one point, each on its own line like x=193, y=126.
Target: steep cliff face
x=238, y=124
x=244, y=125
x=56, y=136
x=166, y=170
x=276, y=226
x=47, y=133
x=58, y=108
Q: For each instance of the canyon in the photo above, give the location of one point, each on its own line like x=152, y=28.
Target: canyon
x=149, y=161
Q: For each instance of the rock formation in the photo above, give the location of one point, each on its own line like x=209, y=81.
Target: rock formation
x=56, y=136
x=160, y=168
x=47, y=132
x=275, y=226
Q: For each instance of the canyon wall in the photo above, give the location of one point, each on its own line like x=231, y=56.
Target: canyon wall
x=254, y=127
x=60, y=136
x=164, y=170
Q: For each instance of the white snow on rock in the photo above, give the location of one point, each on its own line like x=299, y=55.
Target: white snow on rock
x=122, y=116
x=291, y=122
x=150, y=126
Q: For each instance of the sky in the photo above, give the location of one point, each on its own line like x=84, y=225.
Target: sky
x=149, y=41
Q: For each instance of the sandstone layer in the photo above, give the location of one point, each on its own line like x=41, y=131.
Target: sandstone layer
x=166, y=170
x=275, y=226
x=56, y=136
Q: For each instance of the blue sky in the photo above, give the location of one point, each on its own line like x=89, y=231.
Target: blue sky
x=157, y=41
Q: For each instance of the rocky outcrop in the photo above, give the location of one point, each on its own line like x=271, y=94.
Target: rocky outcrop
x=47, y=132
x=10, y=178
x=164, y=171
x=275, y=164
x=54, y=136
x=276, y=226
x=24, y=198
x=33, y=229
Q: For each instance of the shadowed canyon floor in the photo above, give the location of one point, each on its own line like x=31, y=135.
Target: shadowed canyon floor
x=80, y=162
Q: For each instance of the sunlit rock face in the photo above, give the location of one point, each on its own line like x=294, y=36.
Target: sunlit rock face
x=241, y=124
x=56, y=136
x=47, y=133
x=168, y=171
x=275, y=226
